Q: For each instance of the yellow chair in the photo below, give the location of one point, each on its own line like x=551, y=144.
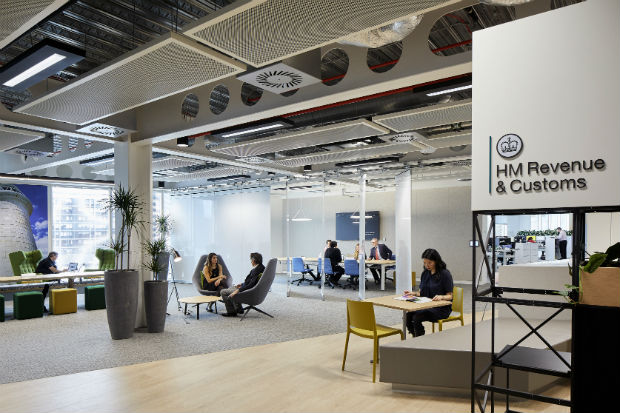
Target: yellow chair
x=457, y=307
x=361, y=322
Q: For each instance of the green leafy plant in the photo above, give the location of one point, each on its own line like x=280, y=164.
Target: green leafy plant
x=153, y=250
x=130, y=207
x=607, y=259
x=163, y=225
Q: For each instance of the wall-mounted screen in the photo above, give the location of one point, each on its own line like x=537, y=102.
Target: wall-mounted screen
x=347, y=225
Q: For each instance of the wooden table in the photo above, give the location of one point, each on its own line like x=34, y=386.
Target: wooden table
x=199, y=299
x=71, y=276
x=405, y=306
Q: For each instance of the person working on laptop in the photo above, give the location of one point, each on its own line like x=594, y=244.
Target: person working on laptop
x=378, y=252
x=436, y=283
x=48, y=266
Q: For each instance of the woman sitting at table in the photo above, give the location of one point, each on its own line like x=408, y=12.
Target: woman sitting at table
x=356, y=253
x=436, y=283
x=212, y=275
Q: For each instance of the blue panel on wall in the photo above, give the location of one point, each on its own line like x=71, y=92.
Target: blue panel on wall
x=347, y=228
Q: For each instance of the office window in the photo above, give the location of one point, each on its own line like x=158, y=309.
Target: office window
x=80, y=224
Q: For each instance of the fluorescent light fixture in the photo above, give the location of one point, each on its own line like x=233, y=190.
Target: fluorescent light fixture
x=367, y=162
x=256, y=129
x=42, y=65
x=46, y=58
x=301, y=219
x=98, y=160
x=299, y=215
x=225, y=178
x=454, y=89
x=358, y=216
x=185, y=142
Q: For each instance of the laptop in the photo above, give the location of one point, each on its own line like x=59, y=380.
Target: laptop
x=73, y=266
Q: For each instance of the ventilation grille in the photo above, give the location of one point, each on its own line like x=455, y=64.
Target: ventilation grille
x=169, y=65
x=103, y=130
x=18, y=16
x=158, y=165
x=310, y=137
x=450, y=139
x=278, y=78
x=443, y=114
x=261, y=33
x=373, y=151
x=11, y=138
x=204, y=174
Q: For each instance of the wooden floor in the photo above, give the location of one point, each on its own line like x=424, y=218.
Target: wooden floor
x=302, y=375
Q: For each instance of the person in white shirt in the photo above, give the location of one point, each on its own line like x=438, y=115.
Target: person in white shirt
x=562, y=242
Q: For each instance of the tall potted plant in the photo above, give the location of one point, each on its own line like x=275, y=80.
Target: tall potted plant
x=156, y=290
x=121, y=284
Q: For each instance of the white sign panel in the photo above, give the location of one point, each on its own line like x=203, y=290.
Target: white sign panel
x=546, y=110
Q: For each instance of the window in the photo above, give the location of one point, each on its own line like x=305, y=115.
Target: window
x=80, y=224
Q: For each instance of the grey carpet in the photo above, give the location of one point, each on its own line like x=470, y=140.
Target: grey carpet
x=71, y=343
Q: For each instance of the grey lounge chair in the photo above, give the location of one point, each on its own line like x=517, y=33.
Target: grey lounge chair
x=257, y=294
x=196, y=277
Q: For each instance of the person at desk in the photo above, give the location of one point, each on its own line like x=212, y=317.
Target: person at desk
x=436, y=283
x=356, y=252
x=562, y=241
x=378, y=252
x=334, y=256
x=327, y=245
x=48, y=266
x=227, y=294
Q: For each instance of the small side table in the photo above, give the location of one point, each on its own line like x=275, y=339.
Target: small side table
x=200, y=299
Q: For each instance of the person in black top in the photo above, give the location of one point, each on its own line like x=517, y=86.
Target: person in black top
x=334, y=256
x=436, y=283
x=233, y=308
x=213, y=274
x=47, y=266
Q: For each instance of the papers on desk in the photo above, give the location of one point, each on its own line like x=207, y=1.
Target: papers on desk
x=414, y=299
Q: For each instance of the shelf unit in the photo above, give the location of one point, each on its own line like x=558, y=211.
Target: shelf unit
x=516, y=357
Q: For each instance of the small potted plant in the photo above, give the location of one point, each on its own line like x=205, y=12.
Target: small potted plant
x=121, y=284
x=155, y=290
x=599, y=278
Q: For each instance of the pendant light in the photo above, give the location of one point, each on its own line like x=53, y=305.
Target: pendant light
x=299, y=215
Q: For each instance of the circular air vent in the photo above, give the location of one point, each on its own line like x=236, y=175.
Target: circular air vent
x=284, y=79
x=403, y=138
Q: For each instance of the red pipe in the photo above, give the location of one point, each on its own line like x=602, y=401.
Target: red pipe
x=374, y=96
x=450, y=46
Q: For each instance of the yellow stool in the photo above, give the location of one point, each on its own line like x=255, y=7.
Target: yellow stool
x=63, y=301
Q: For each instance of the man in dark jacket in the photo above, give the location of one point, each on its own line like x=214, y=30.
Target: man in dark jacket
x=334, y=256
x=378, y=252
x=233, y=308
x=47, y=266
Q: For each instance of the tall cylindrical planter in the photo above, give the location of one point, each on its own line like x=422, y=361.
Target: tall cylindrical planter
x=163, y=260
x=121, y=297
x=155, y=303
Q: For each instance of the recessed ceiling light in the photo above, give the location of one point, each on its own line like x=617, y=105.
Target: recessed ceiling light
x=276, y=125
x=454, y=89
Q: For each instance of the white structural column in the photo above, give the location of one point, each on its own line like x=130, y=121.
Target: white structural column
x=362, y=238
x=402, y=215
x=132, y=169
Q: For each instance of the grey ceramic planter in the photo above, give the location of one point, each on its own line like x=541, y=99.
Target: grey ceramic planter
x=163, y=260
x=155, y=303
x=121, y=297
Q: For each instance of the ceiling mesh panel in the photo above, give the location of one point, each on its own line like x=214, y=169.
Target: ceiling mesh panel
x=150, y=73
x=443, y=114
x=204, y=174
x=369, y=152
x=15, y=15
x=10, y=138
x=266, y=32
x=309, y=137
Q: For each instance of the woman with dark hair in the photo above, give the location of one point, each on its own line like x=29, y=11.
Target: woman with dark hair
x=212, y=275
x=436, y=283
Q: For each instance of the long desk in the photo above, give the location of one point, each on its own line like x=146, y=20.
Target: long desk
x=405, y=306
x=71, y=276
x=383, y=263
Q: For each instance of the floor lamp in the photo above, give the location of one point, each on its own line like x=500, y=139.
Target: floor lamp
x=176, y=257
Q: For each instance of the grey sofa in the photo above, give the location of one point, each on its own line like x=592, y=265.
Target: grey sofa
x=257, y=294
x=196, y=277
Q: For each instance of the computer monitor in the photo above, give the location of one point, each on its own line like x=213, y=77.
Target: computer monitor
x=73, y=266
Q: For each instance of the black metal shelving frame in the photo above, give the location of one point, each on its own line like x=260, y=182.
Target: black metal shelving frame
x=515, y=357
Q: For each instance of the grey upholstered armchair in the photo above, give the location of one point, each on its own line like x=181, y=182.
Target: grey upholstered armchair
x=196, y=278
x=257, y=294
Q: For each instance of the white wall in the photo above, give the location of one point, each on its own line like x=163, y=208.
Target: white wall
x=602, y=230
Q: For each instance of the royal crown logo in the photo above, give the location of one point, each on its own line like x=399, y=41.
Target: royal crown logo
x=509, y=146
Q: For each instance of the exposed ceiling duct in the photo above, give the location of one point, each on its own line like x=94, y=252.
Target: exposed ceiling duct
x=384, y=35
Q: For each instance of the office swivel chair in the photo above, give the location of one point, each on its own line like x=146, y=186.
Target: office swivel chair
x=352, y=269
x=325, y=267
x=300, y=267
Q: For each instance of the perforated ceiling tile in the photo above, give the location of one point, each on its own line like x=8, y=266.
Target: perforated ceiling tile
x=11, y=138
x=160, y=164
x=443, y=114
x=264, y=32
x=369, y=152
x=337, y=132
x=18, y=16
x=158, y=69
x=450, y=139
x=205, y=174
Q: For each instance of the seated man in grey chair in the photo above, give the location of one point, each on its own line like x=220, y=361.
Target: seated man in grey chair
x=232, y=308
